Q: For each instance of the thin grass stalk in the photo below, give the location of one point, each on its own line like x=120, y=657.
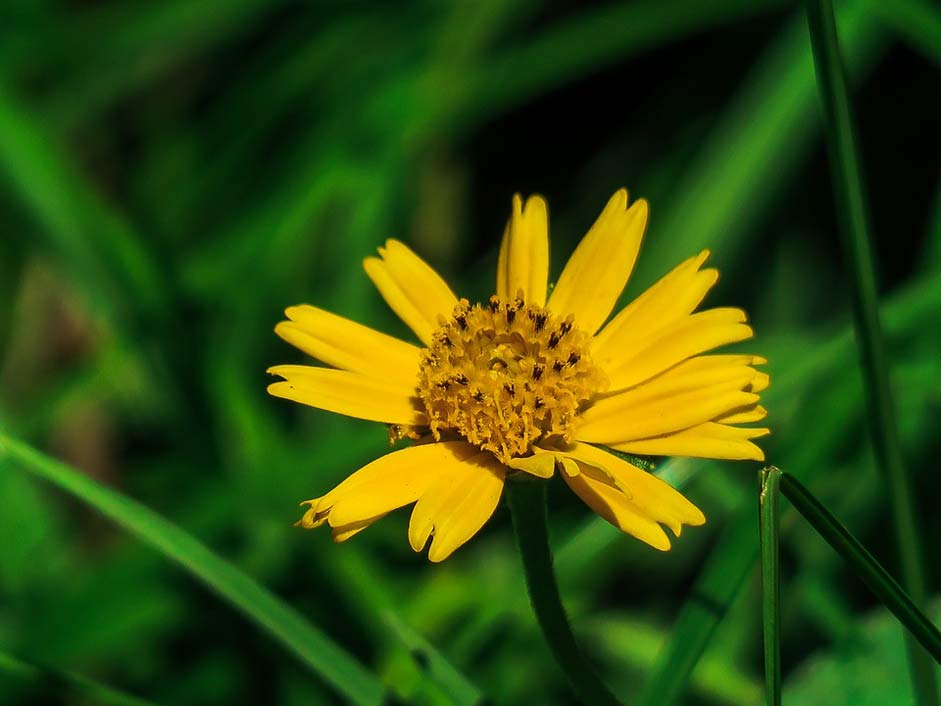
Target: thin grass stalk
x=527, y=500
x=852, y=217
x=769, y=524
x=879, y=581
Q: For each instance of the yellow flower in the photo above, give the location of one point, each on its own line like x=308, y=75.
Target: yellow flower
x=530, y=381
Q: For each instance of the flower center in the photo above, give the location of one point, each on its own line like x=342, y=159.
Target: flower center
x=505, y=375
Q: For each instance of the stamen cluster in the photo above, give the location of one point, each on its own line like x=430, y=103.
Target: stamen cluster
x=506, y=374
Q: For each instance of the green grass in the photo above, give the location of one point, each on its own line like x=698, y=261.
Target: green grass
x=173, y=175
x=852, y=213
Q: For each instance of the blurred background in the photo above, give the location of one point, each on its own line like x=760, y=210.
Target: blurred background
x=173, y=174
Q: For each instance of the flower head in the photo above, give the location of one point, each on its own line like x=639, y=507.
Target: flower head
x=530, y=382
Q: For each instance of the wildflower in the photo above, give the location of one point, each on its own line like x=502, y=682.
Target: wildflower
x=530, y=382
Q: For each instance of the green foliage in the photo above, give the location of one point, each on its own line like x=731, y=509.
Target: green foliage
x=173, y=174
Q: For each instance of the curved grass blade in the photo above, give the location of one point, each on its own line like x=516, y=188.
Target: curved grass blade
x=854, y=230
x=286, y=625
x=53, y=683
x=769, y=480
x=863, y=563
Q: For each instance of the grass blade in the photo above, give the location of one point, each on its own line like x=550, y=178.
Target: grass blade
x=52, y=683
x=852, y=218
x=864, y=564
x=769, y=480
x=282, y=622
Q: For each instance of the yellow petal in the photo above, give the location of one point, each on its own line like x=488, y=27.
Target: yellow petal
x=310, y=519
x=541, y=465
x=456, y=506
x=341, y=534
x=610, y=421
x=567, y=460
x=761, y=382
x=672, y=298
x=346, y=393
x=389, y=482
x=684, y=339
x=613, y=506
x=748, y=415
x=524, y=252
x=595, y=275
x=708, y=374
x=411, y=288
x=709, y=440
x=648, y=494
x=347, y=345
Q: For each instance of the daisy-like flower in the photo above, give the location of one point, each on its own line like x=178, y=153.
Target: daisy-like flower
x=530, y=382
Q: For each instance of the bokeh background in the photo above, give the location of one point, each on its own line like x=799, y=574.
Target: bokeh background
x=174, y=173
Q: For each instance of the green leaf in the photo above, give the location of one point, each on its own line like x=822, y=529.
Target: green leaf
x=286, y=625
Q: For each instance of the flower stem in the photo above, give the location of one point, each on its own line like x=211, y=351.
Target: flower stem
x=527, y=499
x=851, y=213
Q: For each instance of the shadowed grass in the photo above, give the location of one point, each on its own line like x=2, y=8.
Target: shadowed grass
x=852, y=218
x=54, y=684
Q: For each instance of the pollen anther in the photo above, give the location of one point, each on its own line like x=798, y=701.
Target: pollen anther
x=506, y=375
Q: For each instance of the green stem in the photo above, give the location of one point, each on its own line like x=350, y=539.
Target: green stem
x=864, y=564
x=851, y=212
x=527, y=499
x=769, y=522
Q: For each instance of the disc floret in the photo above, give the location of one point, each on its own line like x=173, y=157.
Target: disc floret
x=505, y=375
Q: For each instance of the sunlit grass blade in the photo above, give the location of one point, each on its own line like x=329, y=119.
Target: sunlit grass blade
x=720, y=580
x=852, y=217
x=863, y=563
x=54, y=684
x=769, y=524
x=286, y=625
x=527, y=500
